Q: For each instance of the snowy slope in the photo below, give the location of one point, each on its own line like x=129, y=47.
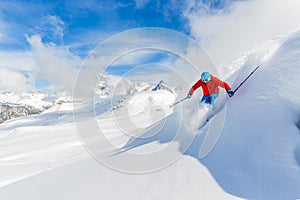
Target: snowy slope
x=257, y=156
x=87, y=179
x=42, y=158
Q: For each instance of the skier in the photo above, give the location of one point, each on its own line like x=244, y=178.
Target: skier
x=210, y=86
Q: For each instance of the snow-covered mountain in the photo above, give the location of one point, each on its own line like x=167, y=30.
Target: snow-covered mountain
x=109, y=86
x=257, y=156
x=36, y=99
x=14, y=105
x=12, y=111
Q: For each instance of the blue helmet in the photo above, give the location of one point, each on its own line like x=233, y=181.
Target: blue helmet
x=205, y=77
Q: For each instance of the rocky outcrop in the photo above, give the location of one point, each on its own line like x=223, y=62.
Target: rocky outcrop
x=8, y=111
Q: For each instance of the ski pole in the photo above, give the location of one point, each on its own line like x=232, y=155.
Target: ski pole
x=178, y=102
x=246, y=79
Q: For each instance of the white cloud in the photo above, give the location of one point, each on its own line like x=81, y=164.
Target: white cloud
x=137, y=57
x=58, y=25
x=14, y=81
x=230, y=32
x=141, y=3
x=17, y=60
x=4, y=33
x=44, y=61
x=54, y=25
x=56, y=64
x=2, y=36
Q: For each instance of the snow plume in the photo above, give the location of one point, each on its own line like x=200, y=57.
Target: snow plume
x=55, y=64
x=241, y=25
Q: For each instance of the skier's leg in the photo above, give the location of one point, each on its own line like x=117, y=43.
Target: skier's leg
x=206, y=99
x=205, y=109
x=213, y=98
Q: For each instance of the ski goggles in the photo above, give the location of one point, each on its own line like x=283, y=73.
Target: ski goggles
x=206, y=80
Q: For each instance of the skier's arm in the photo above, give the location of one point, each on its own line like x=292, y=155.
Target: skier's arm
x=228, y=89
x=226, y=86
x=195, y=87
x=222, y=84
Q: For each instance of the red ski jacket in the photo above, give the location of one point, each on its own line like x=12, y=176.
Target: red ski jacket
x=212, y=87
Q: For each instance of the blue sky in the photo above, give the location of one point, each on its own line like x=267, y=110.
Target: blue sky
x=58, y=34
x=72, y=23
x=82, y=24
x=79, y=26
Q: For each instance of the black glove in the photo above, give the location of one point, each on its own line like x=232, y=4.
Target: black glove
x=230, y=93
